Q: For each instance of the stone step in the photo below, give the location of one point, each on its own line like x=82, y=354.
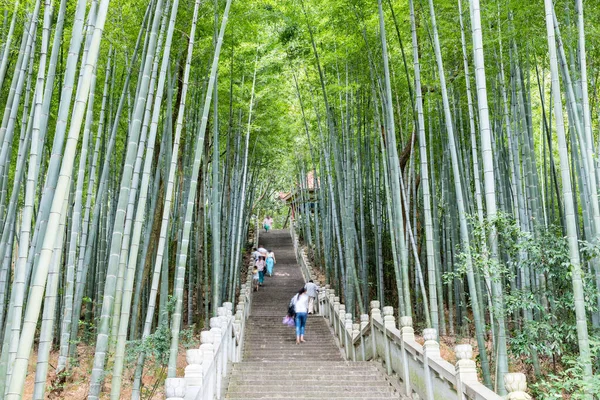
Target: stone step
x=343, y=376
x=301, y=395
x=281, y=356
x=313, y=366
x=331, y=381
x=285, y=347
x=295, y=358
x=269, y=382
x=284, y=395
x=299, y=389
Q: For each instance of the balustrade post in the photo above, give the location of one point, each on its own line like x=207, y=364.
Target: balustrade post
x=388, y=317
x=237, y=339
x=193, y=373
x=217, y=332
x=431, y=349
x=331, y=305
x=516, y=386
x=321, y=296
x=229, y=331
x=246, y=302
x=175, y=388
x=375, y=314
x=348, y=337
x=388, y=321
x=364, y=322
x=334, y=314
x=340, y=323
x=407, y=333
x=466, y=369
x=208, y=364
x=355, y=334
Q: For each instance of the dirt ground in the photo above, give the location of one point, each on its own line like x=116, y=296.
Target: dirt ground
x=75, y=385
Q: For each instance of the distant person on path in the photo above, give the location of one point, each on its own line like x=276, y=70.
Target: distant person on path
x=260, y=265
x=312, y=291
x=300, y=302
x=270, y=262
x=267, y=223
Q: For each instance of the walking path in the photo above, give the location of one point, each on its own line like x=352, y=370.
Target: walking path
x=273, y=366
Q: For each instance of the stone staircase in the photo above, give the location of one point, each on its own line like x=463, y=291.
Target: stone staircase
x=274, y=367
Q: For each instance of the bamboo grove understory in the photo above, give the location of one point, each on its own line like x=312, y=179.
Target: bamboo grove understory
x=440, y=156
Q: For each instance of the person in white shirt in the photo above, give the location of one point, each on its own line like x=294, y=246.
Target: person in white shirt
x=300, y=302
x=267, y=223
x=262, y=251
x=255, y=254
x=312, y=291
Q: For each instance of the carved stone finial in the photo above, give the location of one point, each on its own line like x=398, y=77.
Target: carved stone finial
x=348, y=325
x=406, y=322
x=463, y=351
x=175, y=388
x=431, y=346
x=516, y=385
x=364, y=320
x=355, y=330
x=388, y=310
x=215, y=322
x=193, y=356
x=206, y=337
x=466, y=369
x=389, y=321
x=429, y=334
x=375, y=304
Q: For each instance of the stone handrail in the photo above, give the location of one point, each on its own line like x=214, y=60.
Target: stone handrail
x=421, y=368
x=208, y=365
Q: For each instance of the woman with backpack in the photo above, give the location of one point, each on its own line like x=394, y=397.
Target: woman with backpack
x=300, y=303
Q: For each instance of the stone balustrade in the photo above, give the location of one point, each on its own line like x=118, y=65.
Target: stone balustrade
x=423, y=371
x=220, y=345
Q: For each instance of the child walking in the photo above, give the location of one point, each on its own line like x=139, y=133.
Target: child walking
x=255, y=278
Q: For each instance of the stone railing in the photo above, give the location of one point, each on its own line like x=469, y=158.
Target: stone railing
x=209, y=364
x=422, y=369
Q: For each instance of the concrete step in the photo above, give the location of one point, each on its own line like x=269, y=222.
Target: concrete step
x=323, y=392
x=360, y=377
x=267, y=382
x=312, y=366
x=308, y=396
x=294, y=395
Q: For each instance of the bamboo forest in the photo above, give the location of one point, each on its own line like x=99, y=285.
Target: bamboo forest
x=439, y=156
